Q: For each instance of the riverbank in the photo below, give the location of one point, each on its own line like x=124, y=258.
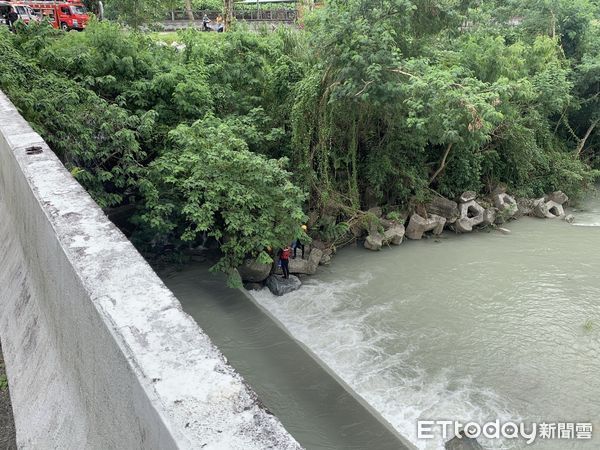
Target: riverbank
x=374, y=230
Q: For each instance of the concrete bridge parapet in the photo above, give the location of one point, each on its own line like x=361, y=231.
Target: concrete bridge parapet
x=99, y=353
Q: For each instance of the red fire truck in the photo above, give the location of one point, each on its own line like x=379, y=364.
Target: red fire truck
x=66, y=14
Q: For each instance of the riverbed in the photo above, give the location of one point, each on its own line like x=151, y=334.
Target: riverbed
x=477, y=327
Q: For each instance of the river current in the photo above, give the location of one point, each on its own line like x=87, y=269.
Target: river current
x=478, y=327
x=474, y=327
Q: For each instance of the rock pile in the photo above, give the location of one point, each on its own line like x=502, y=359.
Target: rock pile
x=550, y=206
x=462, y=216
x=394, y=235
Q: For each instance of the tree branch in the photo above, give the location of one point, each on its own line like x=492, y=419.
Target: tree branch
x=583, y=140
x=410, y=75
x=367, y=83
x=442, y=163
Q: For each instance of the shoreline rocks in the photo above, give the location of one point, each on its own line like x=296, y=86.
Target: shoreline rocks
x=462, y=216
x=490, y=216
x=374, y=242
x=550, y=206
x=467, y=196
x=471, y=215
x=443, y=207
x=419, y=225
x=394, y=235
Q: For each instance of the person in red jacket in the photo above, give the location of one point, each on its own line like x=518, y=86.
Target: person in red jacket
x=284, y=257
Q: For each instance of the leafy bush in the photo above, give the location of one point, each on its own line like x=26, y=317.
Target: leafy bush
x=209, y=182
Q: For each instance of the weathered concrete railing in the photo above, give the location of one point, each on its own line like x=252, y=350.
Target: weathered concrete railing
x=98, y=352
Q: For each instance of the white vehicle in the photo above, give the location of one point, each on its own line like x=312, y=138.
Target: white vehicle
x=26, y=14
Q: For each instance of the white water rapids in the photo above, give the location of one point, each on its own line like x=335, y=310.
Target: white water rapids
x=476, y=327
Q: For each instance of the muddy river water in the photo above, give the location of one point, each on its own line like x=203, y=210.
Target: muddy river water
x=473, y=327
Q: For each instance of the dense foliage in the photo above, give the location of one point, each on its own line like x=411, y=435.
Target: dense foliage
x=430, y=99
x=178, y=135
x=140, y=12
x=240, y=136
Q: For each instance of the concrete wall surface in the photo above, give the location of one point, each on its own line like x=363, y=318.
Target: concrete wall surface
x=99, y=353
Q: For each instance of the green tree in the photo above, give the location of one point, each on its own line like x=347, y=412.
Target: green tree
x=135, y=13
x=209, y=182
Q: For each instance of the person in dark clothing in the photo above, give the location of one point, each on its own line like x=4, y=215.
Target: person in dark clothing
x=284, y=258
x=299, y=244
x=205, y=22
x=11, y=19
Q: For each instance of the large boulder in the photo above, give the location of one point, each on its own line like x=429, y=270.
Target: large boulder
x=548, y=209
x=254, y=272
x=419, y=225
x=443, y=207
x=394, y=235
x=314, y=257
x=300, y=266
x=471, y=215
x=281, y=286
x=374, y=242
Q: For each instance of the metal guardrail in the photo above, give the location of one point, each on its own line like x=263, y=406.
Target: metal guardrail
x=260, y=15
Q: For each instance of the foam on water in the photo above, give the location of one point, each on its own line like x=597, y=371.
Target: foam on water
x=354, y=340
x=588, y=214
x=587, y=219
